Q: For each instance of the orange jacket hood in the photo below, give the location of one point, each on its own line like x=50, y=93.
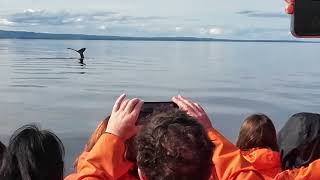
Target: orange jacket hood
x=266, y=161
x=263, y=158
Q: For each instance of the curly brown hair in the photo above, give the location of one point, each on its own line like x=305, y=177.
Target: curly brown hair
x=173, y=145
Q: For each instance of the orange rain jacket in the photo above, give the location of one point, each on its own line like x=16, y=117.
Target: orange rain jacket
x=228, y=160
x=81, y=159
x=310, y=172
x=106, y=161
x=266, y=161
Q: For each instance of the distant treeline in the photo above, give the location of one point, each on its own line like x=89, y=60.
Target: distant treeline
x=33, y=35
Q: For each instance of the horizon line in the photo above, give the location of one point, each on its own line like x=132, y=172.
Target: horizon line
x=81, y=36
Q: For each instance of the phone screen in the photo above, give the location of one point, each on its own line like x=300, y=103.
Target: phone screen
x=149, y=107
x=306, y=18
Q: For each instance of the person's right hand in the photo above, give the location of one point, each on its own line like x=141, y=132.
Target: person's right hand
x=289, y=6
x=193, y=110
x=123, y=117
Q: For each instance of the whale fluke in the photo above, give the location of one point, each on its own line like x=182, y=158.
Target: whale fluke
x=80, y=51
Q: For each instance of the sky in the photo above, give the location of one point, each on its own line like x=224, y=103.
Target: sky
x=235, y=19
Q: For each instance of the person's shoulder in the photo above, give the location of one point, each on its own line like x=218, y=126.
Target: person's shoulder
x=72, y=176
x=247, y=174
x=308, y=172
x=286, y=175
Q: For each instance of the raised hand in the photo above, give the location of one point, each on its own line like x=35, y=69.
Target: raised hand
x=124, y=116
x=193, y=110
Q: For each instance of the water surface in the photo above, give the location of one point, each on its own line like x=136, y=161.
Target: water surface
x=42, y=82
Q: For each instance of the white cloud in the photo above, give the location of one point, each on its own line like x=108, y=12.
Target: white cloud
x=31, y=11
x=6, y=22
x=103, y=27
x=210, y=31
x=64, y=18
x=215, y=31
x=178, y=29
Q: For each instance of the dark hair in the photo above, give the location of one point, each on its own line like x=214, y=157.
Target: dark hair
x=33, y=154
x=2, y=151
x=173, y=145
x=257, y=131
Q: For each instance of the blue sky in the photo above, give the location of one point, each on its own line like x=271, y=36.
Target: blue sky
x=247, y=19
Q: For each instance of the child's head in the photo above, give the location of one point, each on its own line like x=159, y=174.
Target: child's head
x=35, y=154
x=257, y=131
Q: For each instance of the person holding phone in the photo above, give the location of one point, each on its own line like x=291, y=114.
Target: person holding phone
x=227, y=158
x=171, y=145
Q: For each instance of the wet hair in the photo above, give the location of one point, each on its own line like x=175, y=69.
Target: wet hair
x=173, y=145
x=2, y=151
x=257, y=131
x=33, y=154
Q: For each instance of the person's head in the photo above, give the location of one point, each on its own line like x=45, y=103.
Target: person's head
x=257, y=131
x=299, y=140
x=33, y=154
x=173, y=145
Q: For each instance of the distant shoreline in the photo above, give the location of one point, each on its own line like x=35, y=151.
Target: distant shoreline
x=49, y=36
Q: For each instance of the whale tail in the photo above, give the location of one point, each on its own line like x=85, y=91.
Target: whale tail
x=80, y=51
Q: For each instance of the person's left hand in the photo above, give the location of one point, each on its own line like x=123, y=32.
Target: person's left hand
x=193, y=110
x=124, y=116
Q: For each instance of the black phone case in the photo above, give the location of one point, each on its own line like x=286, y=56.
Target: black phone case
x=305, y=22
x=149, y=107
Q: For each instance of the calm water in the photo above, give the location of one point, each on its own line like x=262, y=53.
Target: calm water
x=42, y=82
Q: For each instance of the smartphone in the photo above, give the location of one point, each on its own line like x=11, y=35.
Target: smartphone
x=305, y=21
x=150, y=107
x=146, y=110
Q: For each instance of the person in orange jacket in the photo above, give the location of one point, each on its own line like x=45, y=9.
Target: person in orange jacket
x=257, y=141
x=101, y=128
x=182, y=150
x=299, y=143
x=99, y=131
x=228, y=161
